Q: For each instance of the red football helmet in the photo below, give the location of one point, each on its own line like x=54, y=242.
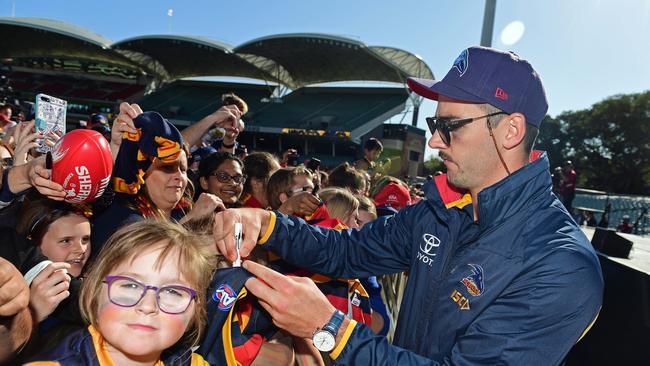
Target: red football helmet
x=82, y=164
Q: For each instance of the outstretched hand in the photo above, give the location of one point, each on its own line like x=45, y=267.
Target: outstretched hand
x=206, y=204
x=300, y=204
x=14, y=293
x=255, y=222
x=25, y=140
x=123, y=123
x=49, y=288
x=295, y=303
x=40, y=178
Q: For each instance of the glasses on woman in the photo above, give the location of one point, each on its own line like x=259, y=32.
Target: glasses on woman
x=226, y=178
x=128, y=292
x=446, y=125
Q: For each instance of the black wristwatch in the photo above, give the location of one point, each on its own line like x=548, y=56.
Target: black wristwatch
x=229, y=146
x=325, y=338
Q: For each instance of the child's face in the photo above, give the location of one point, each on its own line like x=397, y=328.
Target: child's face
x=302, y=182
x=68, y=240
x=372, y=155
x=143, y=330
x=352, y=221
x=365, y=217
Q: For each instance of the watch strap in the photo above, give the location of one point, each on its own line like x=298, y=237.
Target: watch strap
x=334, y=324
x=223, y=144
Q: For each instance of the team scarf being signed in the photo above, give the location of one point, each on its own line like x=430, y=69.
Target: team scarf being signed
x=238, y=326
x=155, y=138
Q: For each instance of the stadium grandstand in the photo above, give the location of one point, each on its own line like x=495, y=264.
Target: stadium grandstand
x=302, y=89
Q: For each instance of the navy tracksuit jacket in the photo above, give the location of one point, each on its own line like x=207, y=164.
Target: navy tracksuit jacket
x=517, y=287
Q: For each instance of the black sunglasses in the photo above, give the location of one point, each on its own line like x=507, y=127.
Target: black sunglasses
x=446, y=125
x=226, y=178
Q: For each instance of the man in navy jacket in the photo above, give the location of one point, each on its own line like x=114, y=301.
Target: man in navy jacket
x=501, y=275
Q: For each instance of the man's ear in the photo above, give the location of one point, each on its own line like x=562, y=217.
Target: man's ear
x=283, y=197
x=515, y=130
x=204, y=183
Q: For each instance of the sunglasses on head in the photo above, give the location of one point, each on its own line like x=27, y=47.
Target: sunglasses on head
x=225, y=177
x=445, y=125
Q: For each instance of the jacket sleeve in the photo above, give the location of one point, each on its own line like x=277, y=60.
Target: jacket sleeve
x=535, y=322
x=380, y=247
x=366, y=348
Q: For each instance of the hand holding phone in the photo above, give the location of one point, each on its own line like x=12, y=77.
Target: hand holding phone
x=50, y=119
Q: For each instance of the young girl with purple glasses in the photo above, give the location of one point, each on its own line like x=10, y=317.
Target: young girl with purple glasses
x=144, y=300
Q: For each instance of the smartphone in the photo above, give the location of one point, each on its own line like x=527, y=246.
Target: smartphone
x=49, y=117
x=241, y=149
x=313, y=164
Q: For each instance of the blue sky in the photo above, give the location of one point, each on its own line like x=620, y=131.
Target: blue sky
x=585, y=50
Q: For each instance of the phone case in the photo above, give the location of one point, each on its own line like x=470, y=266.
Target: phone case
x=49, y=117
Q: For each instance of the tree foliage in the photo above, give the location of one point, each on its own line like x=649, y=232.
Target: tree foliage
x=434, y=164
x=609, y=143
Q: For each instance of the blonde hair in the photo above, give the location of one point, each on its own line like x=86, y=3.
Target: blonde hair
x=340, y=202
x=194, y=262
x=365, y=204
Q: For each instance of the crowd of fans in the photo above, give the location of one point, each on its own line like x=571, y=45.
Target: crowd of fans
x=153, y=230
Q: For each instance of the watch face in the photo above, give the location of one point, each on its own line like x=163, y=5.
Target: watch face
x=324, y=341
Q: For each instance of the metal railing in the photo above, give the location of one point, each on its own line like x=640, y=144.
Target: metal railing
x=392, y=288
x=613, y=207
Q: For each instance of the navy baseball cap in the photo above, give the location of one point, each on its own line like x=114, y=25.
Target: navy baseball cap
x=98, y=119
x=201, y=153
x=486, y=75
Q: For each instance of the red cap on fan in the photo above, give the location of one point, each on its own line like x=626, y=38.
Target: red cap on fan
x=82, y=164
x=393, y=195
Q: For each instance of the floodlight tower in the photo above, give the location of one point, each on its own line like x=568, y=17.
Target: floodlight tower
x=488, y=23
x=486, y=41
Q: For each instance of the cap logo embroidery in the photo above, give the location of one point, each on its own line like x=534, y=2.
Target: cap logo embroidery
x=462, y=62
x=501, y=94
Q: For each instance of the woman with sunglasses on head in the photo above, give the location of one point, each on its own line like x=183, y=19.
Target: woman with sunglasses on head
x=149, y=176
x=143, y=300
x=221, y=174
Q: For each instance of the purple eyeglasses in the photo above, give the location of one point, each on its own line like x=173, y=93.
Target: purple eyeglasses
x=127, y=292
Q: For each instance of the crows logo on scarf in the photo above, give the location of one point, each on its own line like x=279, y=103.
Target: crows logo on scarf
x=237, y=325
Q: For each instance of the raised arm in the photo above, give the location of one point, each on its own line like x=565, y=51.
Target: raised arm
x=226, y=117
x=383, y=246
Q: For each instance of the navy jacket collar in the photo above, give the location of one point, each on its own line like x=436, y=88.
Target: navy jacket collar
x=512, y=194
x=504, y=198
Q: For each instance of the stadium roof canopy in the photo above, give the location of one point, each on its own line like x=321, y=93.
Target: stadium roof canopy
x=294, y=60
x=191, y=56
x=41, y=38
x=312, y=58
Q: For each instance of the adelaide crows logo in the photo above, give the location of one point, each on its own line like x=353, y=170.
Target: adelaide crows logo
x=474, y=282
x=462, y=62
x=225, y=297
